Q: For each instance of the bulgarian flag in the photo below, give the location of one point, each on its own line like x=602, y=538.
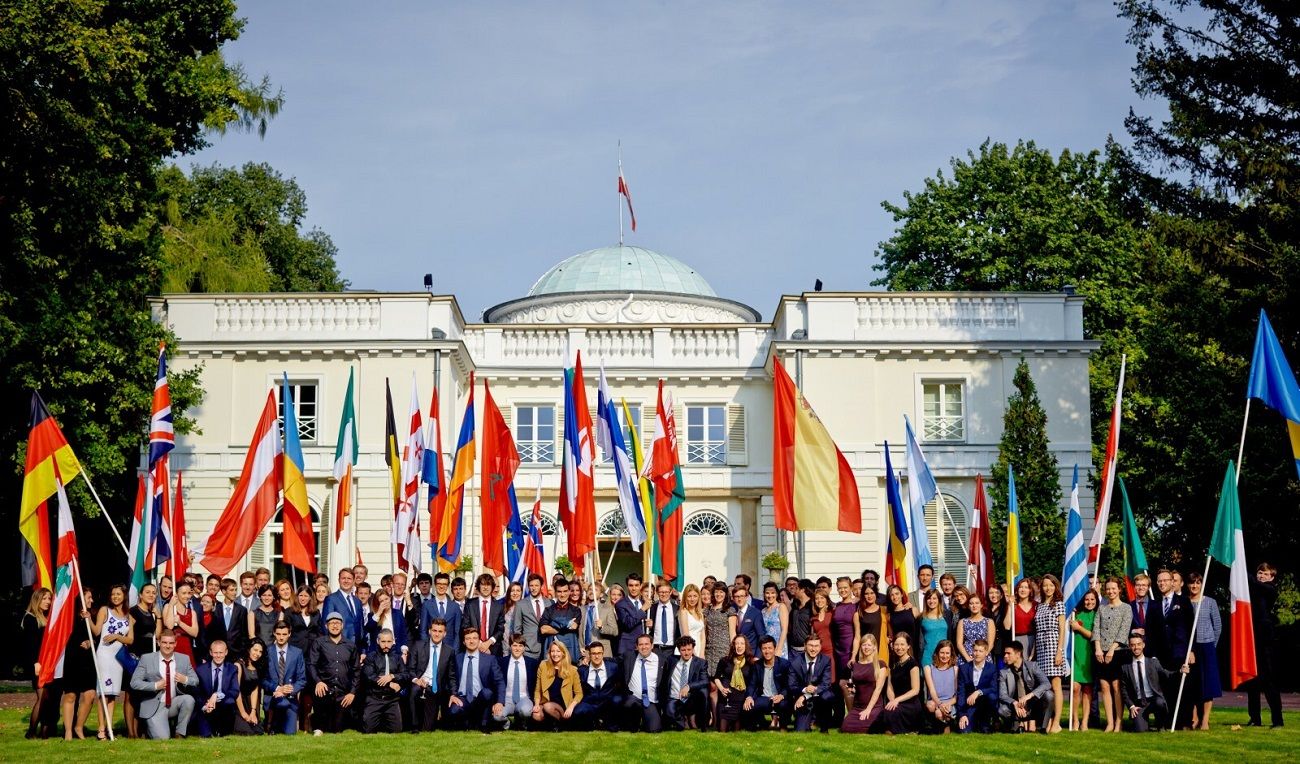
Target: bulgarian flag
x=1228, y=546
x=812, y=484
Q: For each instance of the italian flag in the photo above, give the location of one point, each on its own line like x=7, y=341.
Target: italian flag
x=1228, y=546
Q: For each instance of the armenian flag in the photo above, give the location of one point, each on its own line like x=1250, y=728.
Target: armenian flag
x=462, y=471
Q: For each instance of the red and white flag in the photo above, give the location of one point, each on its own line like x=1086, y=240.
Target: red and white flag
x=980, y=550
x=179, y=563
x=622, y=190
x=406, y=528
x=1102, y=516
x=255, y=499
x=66, y=602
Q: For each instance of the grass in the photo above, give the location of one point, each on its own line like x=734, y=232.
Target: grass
x=1222, y=743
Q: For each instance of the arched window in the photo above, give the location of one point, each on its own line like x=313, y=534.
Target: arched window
x=549, y=525
x=947, y=536
x=706, y=523
x=268, y=549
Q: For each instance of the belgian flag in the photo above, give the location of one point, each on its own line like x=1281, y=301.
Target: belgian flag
x=50, y=462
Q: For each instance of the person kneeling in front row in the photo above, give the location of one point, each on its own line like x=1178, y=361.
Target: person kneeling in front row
x=1024, y=692
x=977, y=691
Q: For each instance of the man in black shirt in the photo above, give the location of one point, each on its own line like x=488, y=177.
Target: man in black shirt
x=333, y=675
x=800, y=616
x=1263, y=607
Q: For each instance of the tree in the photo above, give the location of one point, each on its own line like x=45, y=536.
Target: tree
x=228, y=230
x=96, y=95
x=1024, y=446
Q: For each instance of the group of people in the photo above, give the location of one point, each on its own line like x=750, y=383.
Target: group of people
x=221, y=656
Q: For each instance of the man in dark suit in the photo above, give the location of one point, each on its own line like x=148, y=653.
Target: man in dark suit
x=769, y=693
x=344, y=601
x=977, y=691
x=420, y=593
x=441, y=605
x=218, y=688
x=749, y=618
x=1172, y=640
x=477, y=700
x=334, y=676
x=487, y=616
x=383, y=675
x=286, y=675
x=1142, y=605
x=1263, y=613
x=520, y=672
x=1140, y=686
x=631, y=615
x=687, y=704
x=810, y=686
x=646, y=687
x=602, y=691
x=229, y=621
x=433, y=677
x=664, y=626
x=1024, y=692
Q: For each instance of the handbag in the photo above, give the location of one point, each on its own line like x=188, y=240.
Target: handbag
x=128, y=661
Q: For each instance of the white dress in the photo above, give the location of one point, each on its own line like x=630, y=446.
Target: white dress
x=694, y=628
x=110, y=671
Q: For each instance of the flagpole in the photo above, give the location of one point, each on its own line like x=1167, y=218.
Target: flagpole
x=1191, y=639
x=103, y=510
x=1110, y=478
x=99, y=682
x=618, y=197
x=604, y=572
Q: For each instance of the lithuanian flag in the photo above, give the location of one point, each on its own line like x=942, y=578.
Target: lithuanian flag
x=46, y=447
x=812, y=484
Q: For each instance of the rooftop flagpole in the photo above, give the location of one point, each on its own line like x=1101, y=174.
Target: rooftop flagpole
x=619, y=196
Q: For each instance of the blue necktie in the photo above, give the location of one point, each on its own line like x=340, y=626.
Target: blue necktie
x=473, y=675
x=464, y=678
x=664, y=636
x=645, y=686
x=433, y=677
x=515, y=696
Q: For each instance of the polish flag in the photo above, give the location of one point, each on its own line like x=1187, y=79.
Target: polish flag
x=1102, y=516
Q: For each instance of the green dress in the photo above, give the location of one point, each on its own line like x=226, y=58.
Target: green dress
x=1083, y=657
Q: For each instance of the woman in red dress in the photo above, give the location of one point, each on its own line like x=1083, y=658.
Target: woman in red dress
x=181, y=618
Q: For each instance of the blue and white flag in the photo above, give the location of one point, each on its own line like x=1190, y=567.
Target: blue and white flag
x=609, y=435
x=921, y=488
x=1074, y=579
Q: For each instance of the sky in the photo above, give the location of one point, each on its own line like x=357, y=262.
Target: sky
x=479, y=141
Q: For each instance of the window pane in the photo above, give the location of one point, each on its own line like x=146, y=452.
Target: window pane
x=525, y=416
x=546, y=415
x=694, y=416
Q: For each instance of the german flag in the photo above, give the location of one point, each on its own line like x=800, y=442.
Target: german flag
x=50, y=461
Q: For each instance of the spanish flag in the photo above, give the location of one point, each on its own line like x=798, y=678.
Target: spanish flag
x=46, y=448
x=812, y=484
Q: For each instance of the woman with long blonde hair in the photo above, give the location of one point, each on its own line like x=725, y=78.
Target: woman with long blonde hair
x=559, y=690
x=33, y=627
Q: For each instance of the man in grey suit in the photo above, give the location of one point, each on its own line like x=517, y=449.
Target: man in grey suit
x=161, y=677
x=1140, y=687
x=527, y=616
x=1024, y=692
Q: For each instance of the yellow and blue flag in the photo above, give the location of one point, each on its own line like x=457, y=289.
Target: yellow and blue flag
x=1015, y=557
x=1273, y=382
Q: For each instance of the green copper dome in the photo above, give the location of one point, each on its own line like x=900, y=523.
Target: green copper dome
x=622, y=269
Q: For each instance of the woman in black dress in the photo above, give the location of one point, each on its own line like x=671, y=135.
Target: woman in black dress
x=902, y=616
x=904, y=713
x=33, y=628
x=733, y=679
x=249, y=701
x=79, y=674
x=146, y=623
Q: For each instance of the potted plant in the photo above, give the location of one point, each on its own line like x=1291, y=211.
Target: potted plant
x=464, y=564
x=776, y=565
x=563, y=565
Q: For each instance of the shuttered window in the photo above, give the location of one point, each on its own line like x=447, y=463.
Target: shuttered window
x=947, y=536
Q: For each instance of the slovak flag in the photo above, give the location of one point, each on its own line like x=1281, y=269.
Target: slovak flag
x=533, y=558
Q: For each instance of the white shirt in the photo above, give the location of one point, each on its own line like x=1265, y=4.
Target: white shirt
x=976, y=671
x=169, y=674
x=1139, y=668
x=651, y=673
x=596, y=676
x=510, y=678
x=434, y=650
x=679, y=677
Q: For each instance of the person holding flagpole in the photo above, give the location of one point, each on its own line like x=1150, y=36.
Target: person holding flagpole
x=1109, y=638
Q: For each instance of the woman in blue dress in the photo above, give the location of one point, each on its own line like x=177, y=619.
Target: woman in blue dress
x=776, y=617
x=933, y=625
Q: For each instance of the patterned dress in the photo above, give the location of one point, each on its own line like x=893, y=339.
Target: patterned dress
x=971, y=632
x=772, y=625
x=716, y=637
x=1047, y=638
x=110, y=671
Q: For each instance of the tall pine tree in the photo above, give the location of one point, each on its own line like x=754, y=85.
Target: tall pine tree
x=1038, y=481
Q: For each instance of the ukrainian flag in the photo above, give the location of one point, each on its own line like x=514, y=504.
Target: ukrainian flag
x=1273, y=382
x=1015, y=557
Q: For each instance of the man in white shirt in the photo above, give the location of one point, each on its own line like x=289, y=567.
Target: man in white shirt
x=602, y=691
x=1140, y=687
x=521, y=676
x=248, y=591
x=646, y=686
x=527, y=617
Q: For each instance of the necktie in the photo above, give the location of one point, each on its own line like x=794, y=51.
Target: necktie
x=483, y=622
x=386, y=663
x=598, y=683
x=1138, y=668
x=664, y=636
x=681, y=678
x=514, y=696
x=1168, y=601
x=537, y=606
x=464, y=678
x=228, y=616
x=645, y=686
x=433, y=676
x=473, y=675
x=352, y=604
x=1142, y=612
x=216, y=677
x=167, y=674
x=281, y=664
x=591, y=619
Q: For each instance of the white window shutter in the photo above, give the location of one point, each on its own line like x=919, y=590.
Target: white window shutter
x=507, y=413
x=679, y=413
x=737, y=451
x=326, y=534
x=559, y=433
x=647, y=429
x=257, y=555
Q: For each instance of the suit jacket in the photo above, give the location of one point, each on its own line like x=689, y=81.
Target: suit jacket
x=529, y=677
x=373, y=669
x=1036, y=683
x=656, y=622
x=1155, y=672
x=1141, y=623
x=751, y=625
x=966, y=684
x=697, y=674
x=496, y=627
x=524, y=620
x=229, y=683
x=492, y=683
x=610, y=690
x=147, y=673
x=607, y=634
x=354, y=622
x=570, y=684
x=295, y=672
x=234, y=634
x=820, y=676
x=1175, y=628
x=452, y=614
x=631, y=624
x=447, y=668
x=780, y=677
x=661, y=684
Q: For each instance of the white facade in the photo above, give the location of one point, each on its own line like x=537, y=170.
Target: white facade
x=864, y=359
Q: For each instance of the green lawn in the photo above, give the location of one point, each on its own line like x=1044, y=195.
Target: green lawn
x=1223, y=743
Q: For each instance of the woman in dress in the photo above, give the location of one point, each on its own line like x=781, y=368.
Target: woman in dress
x=972, y=628
x=181, y=618
x=732, y=681
x=1209, y=627
x=902, y=616
x=33, y=628
x=996, y=608
x=1109, y=638
x=558, y=690
x=1049, y=643
x=1081, y=623
x=776, y=617
x=820, y=623
x=249, y=701
x=717, y=626
x=843, y=624
x=263, y=618
x=78, y=674
x=867, y=679
x=113, y=628
x=146, y=623
x=933, y=625
x=1021, y=618
x=690, y=617
x=904, y=713
x=941, y=688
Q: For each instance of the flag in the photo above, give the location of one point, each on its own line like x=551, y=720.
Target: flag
x=160, y=545
x=625, y=193
x=665, y=473
x=1273, y=382
x=813, y=487
x=577, y=491
x=393, y=459
x=1135, y=558
x=516, y=568
x=1228, y=546
x=299, y=544
x=921, y=488
x=462, y=471
x=406, y=523
x=896, y=535
x=642, y=484
x=980, y=551
x=50, y=463
x=346, y=450
x=609, y=434
x=150, y=540
x=254, y=500
x=179, y=564
x=1102, y=517
x=66, y=602
x=1015, y=558
x=1074, y=577
x=499, y=465
x=534, y=558
x=431, y=472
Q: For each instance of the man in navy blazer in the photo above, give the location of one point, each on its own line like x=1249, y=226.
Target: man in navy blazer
x=286, y=675
x=433, y=677
x=602, y=691
x=520, y=672
x=977, y=691
x=229, y=622
x=218, y=688
x=763, y=699
x=441, y=605
x=647, y=688
x=477, y=700
x=492, y=630
x=810, y=685
x=344, y=601
x=664, y=626
x=749, y=618
x=688, y=687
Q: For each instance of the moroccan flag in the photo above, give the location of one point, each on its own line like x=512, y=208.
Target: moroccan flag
x=433, y=474
x=1015, y=558
x=500, y=462
x=1102, y=516
x=896, y=533
x=1135, y=558
x=406, y=526
x=462, y=471
x=578, y=488
x=299, y=543
x=66, y=602
x=253, y=503
x=50, y=463
x=665, y=473
x=980, y=552
x=179, y=564
x=346, y=450
x=1273, y=382
x=813, y=487
x=643, y=485
x=1228, y=546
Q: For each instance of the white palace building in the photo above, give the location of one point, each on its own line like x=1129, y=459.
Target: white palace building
x=864, y=360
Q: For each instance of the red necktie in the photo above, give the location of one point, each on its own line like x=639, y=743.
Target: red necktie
x=483, y=622
x=1142, y=612
x=537, y=605
x=167, y=674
